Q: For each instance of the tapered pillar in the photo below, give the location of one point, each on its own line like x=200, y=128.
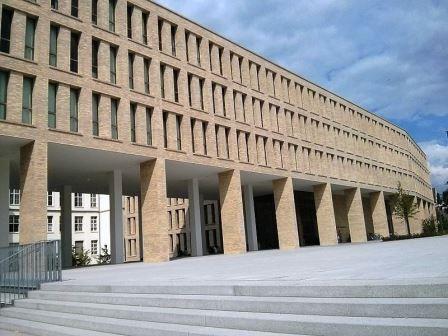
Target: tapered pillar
x=33, y=189
x=379, y=214
x=66, y=226
x=285, y=213
x=154, y=219
x=194, y=210
x=116, y=217
x=355, y=215
x=232, y=217
x=249, y=218
x=4, y=202
x=326, y=222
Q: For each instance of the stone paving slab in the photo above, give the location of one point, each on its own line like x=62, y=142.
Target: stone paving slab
x=423, y=260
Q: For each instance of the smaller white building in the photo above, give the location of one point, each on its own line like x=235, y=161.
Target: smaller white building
x=90, y=221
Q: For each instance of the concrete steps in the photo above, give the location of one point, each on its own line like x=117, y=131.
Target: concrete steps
x=232, y=310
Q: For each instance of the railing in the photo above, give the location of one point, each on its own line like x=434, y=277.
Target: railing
x=27, y=268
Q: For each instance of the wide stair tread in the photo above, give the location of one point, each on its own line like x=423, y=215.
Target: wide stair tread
x=118, y=326
x=369, y=307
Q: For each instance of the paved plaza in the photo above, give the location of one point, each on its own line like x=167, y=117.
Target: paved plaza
x=421, y=260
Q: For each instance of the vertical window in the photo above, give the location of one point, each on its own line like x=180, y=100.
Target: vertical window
x=165, y=131
x=74, y=42
x=78, y=223
x=95, y=50
x=146, y=64
x=5, y=35
x=74, y=102
x=113, y=65
x=74, y=8
x=4, y=78
x=54, y=4
x=29, y=37
x=27, y=100
x=114, y=118
x=79, y=246
x=176, y=85
x=50, y=223
x=173, y=39
x=14, y=197
x=93, y=201
x=131, y=70
x=148, y=126
x=95, y=117
x=198, y=50
x=159, y=26
x=50, y=199
x=129, y=19
x=94, y=223
x=95, y=11
x=78, y=200
x=227, y=133
x=204, y=137
x=133, y=112
x=145, y=27
x=13, y=223
x=179, y=131
x=162, y=80
x=53, y=52
x=112, y=5
x=52, y=92
x=201, y=92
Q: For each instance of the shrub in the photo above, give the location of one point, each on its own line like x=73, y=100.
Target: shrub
x=429, y=226
x=81, y=258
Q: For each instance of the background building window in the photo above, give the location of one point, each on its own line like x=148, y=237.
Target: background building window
x=93, y=201
x=79, y=246
x=78, y=200
x=50, y=199
x=5, y=32
x=14, y=197
x=14, y=223
x=94, y=224
x=94, y=247
x=50, y=223
x=78, y=223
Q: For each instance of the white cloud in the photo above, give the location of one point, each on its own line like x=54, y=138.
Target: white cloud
x=438, y=163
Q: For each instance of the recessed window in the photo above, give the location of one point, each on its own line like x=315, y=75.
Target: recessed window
x=132, y=117
x=95, y=50
x=112, y=6
x=14, y=197
x=129, y=17
x=94, y=224
x=148, y=126
x=131, y=58
x=95, y=114
x=93, y=200
x=4, y=79
x=146, y=65
x=14, y=223
x=74, y=43
x=52, y=93
x=78, y=223
x=74, y=109
x=27, y=100
x=53, y=51
x=50, y=224
x=30, y=31
x=78, y=200
x=54, y=4
x=95, y=12
x=5, y=33
x=94, y=247
x=74, y=8
x=113, y=64
x=114, y=118
x=145, y=27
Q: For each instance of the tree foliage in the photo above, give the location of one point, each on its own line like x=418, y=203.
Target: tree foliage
x=404, y=206
x=80, y=258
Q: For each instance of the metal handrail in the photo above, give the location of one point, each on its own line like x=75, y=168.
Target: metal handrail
x=29, y=267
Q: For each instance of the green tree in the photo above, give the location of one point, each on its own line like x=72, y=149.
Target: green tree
x=404, y=206
x=80, y=258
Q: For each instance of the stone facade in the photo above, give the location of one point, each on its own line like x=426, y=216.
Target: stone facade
x=154, y=86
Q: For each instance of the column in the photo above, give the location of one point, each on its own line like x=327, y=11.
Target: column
x=116, y=217
x=355, y=215
x=249, y=217
x=379, y=214
x=33, y=190
x=326, y=222
x=232, y=217
x=194, y=210
x=153, y=203
x=285, y=213
x=4, y=202
x=201, y=207
x=66, y=226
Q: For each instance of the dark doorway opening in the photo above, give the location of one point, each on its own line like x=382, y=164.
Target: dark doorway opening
x=266, y=222
x=306, y=218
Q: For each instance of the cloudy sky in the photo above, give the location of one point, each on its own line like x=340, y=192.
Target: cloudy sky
x=390, y=57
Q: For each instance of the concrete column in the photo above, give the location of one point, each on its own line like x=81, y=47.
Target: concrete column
x=355, y=215
x=66, y=226
x=232, y=212
x=116, y=217
x=249, y=217
x=4, y=202
x=379, y=214
x=154, y=219
x=194, y=209
x=33, y=189
x=326, y=222
x=285, y=213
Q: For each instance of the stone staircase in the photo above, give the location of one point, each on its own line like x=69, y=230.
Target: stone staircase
x=231, y=309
